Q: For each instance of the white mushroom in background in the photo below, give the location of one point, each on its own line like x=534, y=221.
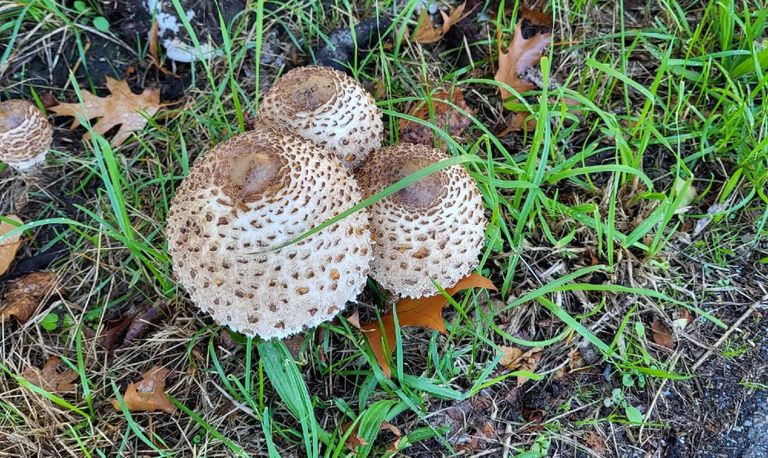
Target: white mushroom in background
x=328, y=107
x=240, y=203
x=25, y=135
x=432, y=229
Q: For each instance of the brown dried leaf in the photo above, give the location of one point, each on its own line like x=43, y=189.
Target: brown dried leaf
x=424, y=312
x=595, y=443
x=428, y=32
x=9, y=246
x=142, y=323
x=114, y=336
x=49, y=378
x=148, y=395
x=24, y=294
x=514, y=359
x=661, y=335
x=122, y=108
x=354, y=441
x=533, y=34
x=447, y=118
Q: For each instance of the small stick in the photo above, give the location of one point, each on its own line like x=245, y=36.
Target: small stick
x=725, y=335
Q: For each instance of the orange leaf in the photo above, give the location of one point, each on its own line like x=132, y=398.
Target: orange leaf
x=148, y=395
x=354, y=441
x=122, y=108
x=514, y=358
x=595, y=443
x=9, y=246
x=49, y=378
x=532, y=35
x=23, y=295
x=661, y=335
x=427, y=32
x=425, y=312
x=447, y=118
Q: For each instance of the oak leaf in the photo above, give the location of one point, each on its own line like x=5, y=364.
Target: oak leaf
x=148, y=395
x=514, y=359
x=533, y=34
x=9, y=246
x=425, y=312
x=23, y=295
x=427, y=32
x=49, y=378
x=122, y=108
x=447, y=118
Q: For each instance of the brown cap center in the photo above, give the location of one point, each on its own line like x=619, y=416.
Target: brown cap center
x=423, y=193
x=250, y=175
x=12, y=114
x=307, y=92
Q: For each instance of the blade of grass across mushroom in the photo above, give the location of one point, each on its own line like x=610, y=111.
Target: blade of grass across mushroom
x=405, y=182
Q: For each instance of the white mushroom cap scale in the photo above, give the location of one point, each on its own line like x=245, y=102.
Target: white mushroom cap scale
x=239, y=204
x=25, y=134
x=328, y=107
x=433, y=228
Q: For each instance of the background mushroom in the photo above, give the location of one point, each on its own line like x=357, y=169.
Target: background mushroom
x=25, y=135
x=242, y=201
x=434, y=228
x=327, y=107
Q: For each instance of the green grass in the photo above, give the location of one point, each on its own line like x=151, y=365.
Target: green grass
x=637, y=116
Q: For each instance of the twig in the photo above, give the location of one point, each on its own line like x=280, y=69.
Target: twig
x=725, y=335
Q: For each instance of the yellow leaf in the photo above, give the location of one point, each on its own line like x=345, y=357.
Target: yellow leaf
x=425, y=312
x=148, y=395
x=10, y=246
x=122, y=108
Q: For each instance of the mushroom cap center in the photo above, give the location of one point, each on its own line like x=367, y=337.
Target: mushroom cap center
x=424, y=192
x=308, y=92
x=247, y=176
x=12, y=114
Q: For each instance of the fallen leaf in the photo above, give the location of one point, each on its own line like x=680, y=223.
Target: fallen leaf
x=661, y=335
x=354, y=441
x=683, y=320
x=23, y=295
x=424, y=312
x=595, y=443
x=148, y=395
x=9, y=246
x=427, y=32
x=447, y=118
x=122, y=108
x=533, y=34
x=514, y=359
x=112, y=337
x=142, y=323
x=49, y=378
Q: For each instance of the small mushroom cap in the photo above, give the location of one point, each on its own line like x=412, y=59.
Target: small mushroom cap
x=25, y=134
x=242, y=201
x=433, y=228
x=328, y=107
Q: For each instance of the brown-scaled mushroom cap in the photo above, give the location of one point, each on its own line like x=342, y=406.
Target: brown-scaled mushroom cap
x=25, y=134
x=433, y=228
x=328, y=107
x=240, y=203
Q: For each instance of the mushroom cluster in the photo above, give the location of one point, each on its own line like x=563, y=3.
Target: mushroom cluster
x=236, y=223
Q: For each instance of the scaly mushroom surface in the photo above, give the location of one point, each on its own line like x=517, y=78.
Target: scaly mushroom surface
x=232, y=215
x=25, y=135
x=432, y=229
x=328, y=107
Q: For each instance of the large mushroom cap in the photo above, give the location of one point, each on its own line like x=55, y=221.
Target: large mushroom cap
x=25, y=134
x=243, y=200
x=327, y=107
x=433, y=228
